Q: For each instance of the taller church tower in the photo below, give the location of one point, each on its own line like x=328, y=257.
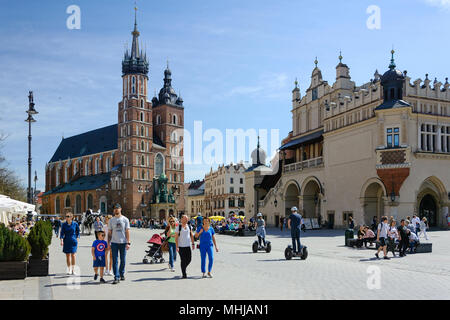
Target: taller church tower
x=135, y=129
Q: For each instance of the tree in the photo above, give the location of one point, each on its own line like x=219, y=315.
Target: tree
x=10, y=184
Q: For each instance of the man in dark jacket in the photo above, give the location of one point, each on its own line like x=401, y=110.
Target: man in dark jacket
x=295, y=224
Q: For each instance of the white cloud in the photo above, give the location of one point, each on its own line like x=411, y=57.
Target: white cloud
x=444, y=4
x=271, y=86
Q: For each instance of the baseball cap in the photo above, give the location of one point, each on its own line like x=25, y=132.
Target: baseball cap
x=117, y=206
x=294, y=209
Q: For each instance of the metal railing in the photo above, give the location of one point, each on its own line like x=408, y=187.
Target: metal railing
x=298, y=166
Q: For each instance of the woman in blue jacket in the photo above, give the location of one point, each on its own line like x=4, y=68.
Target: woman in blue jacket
x=207, y=241
x=70, y=232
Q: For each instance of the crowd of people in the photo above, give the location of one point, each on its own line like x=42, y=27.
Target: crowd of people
x=390, y=236
x=112, y=238
x=21, y=226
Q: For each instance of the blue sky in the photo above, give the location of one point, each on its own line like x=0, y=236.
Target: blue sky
x=234, y=62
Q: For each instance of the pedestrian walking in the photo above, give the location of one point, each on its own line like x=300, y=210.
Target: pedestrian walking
x=207, y=241
x=184, y=239
x=423, y=226
x=382, y=234
x=171, y=239
x=392, y=237
x=416, y=222
x=108, y=253
x=403, y=238
x=57, y=226
x=70, y=233
x=98, y=226
x=119, y=242
x=295, y=224
x=281, y=223
x=99, y=248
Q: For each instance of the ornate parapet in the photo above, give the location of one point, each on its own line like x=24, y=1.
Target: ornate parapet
x=393, y=158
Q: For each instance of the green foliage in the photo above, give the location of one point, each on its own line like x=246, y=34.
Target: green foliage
x=13, y=247
x=39, y=239
x=10, y=184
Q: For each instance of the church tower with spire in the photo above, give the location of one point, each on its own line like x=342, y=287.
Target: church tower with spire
x=168, y=121
x=135, y=129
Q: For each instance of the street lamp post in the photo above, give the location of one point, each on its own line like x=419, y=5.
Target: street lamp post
x=35, y=179
x=30, y=119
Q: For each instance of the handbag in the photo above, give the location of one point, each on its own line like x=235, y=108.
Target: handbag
x=165, y=246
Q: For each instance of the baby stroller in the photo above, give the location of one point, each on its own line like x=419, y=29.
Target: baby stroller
x=155, y=252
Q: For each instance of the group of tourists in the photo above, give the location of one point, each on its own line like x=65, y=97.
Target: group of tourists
x=181, y=238
x=391, y=236
x=112, y=241
x=105, y=253
x=21, y=226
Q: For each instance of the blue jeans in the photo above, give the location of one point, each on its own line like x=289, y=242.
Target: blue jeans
x=116, y=249
x=295, y=234
x=172, y=253
x=203, y=251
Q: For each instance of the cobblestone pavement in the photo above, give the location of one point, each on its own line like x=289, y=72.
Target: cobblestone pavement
x=332, y=271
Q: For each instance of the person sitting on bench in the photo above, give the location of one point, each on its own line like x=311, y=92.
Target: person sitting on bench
x=369, y=236
x=360, y=239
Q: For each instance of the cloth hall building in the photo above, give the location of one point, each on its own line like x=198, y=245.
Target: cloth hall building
x=382, y=148
x=135, y=162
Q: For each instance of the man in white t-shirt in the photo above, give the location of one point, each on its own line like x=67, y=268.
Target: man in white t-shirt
x=118, y=241
x=382, y=234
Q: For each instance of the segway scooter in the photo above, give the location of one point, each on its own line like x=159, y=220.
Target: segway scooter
x=256, y=247
x=289, y=253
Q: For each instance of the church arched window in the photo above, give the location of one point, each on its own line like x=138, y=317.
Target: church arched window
x=159, y=164
x=174, y=119
x=158, y=119
x=133, y=84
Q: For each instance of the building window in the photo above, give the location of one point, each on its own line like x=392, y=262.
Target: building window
x=133, y=85
x=314, y=94
x=57, y=206
x=231, y=180
x=231, y=190
x=90, y=202
x=159, y=165
x=241, y=180
x=57, y=177
x=393, y=137
x=241, y=190
x=67, y=205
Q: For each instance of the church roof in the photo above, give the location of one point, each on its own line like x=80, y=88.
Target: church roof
x=82, y=184
x=92, y=142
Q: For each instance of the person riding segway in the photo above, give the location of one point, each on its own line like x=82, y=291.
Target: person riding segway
x=261, y=243
x=295, y=224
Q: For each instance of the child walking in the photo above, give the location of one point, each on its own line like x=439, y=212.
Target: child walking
x=98, y=254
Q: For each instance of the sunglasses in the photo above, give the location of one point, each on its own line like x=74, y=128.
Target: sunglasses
x=68, y=217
